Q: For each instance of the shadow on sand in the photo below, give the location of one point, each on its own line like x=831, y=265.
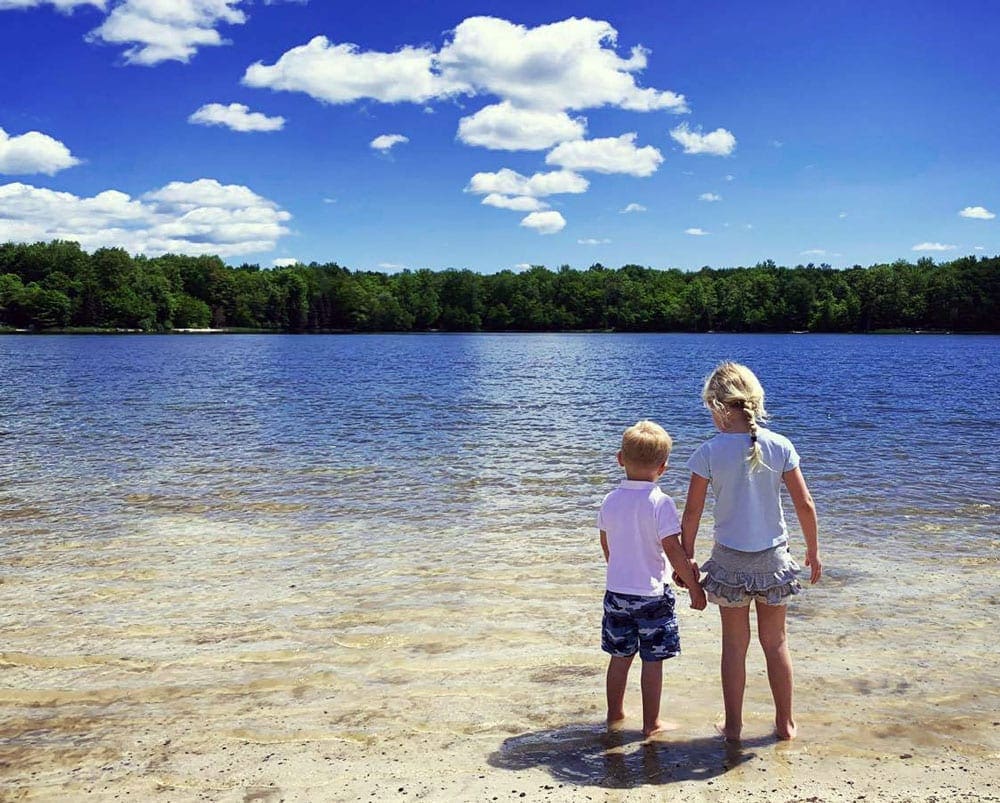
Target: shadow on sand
x=589, y=755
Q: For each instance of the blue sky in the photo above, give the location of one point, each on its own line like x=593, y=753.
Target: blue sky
x=496, y=135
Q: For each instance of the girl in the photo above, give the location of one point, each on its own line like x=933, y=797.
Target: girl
x=745, y=464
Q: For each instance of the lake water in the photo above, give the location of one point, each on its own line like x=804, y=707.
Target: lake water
x=209, y=541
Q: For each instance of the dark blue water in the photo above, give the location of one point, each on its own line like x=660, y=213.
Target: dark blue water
x=511, y=430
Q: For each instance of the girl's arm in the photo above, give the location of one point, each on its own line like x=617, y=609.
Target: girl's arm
x=693, y=508
x=805, y=509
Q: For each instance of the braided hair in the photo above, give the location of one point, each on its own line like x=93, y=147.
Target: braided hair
x=733, y=388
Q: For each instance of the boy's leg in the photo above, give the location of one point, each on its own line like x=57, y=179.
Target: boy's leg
x=773, y=638
x=616, y=682
x=652, y=689
x=735, y=641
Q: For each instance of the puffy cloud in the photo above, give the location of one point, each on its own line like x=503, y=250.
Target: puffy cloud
x=696, y=232
x=285, y=262
x=570, y=64
x=977, y=213
x=237, y=117
x=384, y=142
x=511, y=183
x=59, y=5
x=607, y=155
x=504, y=126
x=934, y=247
x=199, y=217
x=166, y=30
x=632, y=208
x=711, y=197
x=544, y=222
x=520, y=203
x=813, y=252
x=334, y=73
x=594, y=241
x=717, y=143
x=33, y=152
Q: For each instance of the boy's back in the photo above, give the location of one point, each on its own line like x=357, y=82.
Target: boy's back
x=637, y=516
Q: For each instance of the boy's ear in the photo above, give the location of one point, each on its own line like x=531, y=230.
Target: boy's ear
x=618, y=456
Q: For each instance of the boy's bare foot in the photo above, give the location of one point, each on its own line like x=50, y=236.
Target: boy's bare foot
x=731, y=735
x=786, y=732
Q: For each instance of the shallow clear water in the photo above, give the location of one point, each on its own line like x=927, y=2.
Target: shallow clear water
x=216, y=539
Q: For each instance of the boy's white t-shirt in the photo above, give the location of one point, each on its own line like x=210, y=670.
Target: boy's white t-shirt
x=637, y=516
x=748, y=514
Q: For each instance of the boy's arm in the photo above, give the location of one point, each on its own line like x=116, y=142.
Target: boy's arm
x=694, y=506
x=805, y=510
x=604, y=545
x=684, y=568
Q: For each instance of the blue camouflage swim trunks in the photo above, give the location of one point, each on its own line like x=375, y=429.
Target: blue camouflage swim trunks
x=646, y=625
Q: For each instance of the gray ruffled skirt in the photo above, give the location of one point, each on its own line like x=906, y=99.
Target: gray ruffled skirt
x=734, y=578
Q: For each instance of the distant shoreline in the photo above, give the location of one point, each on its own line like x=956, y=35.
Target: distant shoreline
x=248, y=331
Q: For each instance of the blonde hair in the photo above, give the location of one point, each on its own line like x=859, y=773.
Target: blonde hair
x=646, y=444
x=734, y=388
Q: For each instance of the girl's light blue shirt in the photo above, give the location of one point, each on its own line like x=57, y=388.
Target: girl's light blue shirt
x=748, y=514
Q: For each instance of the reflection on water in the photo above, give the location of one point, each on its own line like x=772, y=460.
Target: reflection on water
x=214, y=547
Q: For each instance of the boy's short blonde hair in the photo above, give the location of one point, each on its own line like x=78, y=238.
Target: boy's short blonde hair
x=646, y=444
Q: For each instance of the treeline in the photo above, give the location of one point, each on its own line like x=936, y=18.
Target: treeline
x=57, y=285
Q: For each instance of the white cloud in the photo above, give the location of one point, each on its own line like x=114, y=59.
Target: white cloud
x=594, y=241
x=522, y=266
x=632, y=208
x=391, y=266
x=329, y=200
x=813, y=252
x=711, y=197
x=607, y=155
x=977, y=213
x=519, y=203
x=237, y=117
x=730, y=178
x=508, y=182
x=340, y=73
x=285, y=262
x=570, y=64
x=544, y=222
x=385, y=142
x=934, y=247
x=696, y=232
x=199, y=217
x=59, y=5
x=717, y=143
x=166, y=30
x=504, y=126
x=979, y=248
x=33, y=152
x=842, y=215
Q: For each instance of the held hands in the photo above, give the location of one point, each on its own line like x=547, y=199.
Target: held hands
x=698, y=599
x=695, y=570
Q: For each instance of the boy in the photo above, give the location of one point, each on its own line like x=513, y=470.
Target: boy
x=640, y=533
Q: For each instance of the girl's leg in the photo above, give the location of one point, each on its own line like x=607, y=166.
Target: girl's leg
x=773, y=638
x=735, y=641
x=616, y=682
x=652, y=690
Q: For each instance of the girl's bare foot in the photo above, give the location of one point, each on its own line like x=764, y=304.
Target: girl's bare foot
x=786, y=732
x=616, y=723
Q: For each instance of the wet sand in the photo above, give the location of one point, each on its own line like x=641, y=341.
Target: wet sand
x=179, y=663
